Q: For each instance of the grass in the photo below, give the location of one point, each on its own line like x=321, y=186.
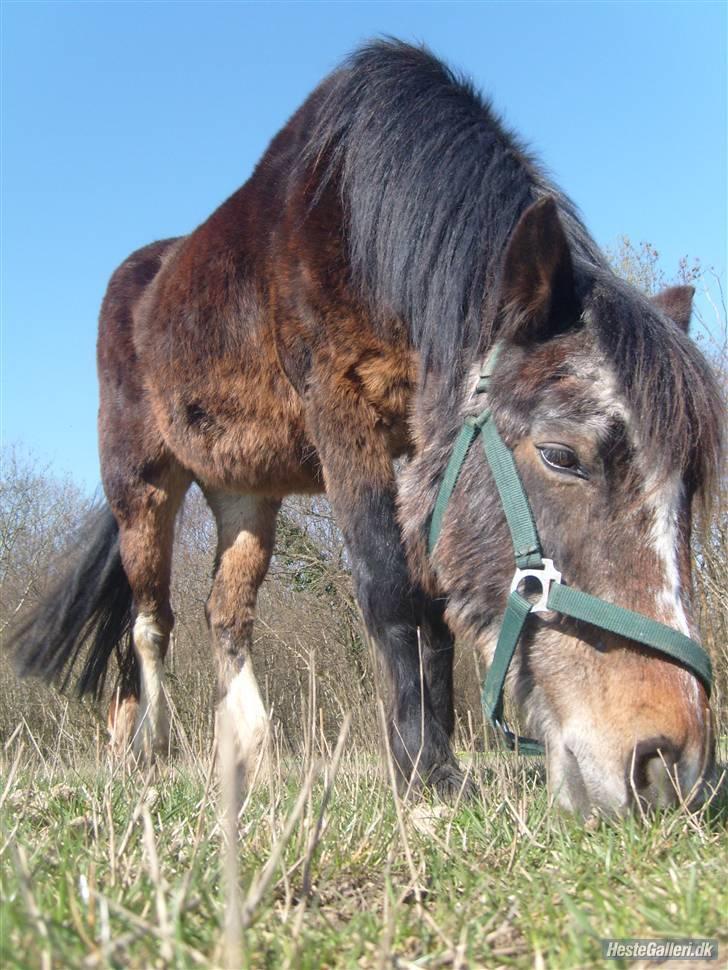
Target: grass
x=105, y=867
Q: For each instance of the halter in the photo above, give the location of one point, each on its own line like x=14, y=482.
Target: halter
x=531, y=564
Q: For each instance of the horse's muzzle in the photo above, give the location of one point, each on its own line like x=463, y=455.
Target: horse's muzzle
x=656, y=773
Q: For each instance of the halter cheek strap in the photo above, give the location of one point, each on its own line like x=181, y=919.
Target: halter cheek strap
x=530, y=563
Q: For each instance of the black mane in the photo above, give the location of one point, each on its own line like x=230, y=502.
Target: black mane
x=433, y=185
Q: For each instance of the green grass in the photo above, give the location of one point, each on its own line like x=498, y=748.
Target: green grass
x=106, y=867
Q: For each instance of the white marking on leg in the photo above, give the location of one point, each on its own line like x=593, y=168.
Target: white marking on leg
x=246, y=711
x=151, y=733
x=242, y=521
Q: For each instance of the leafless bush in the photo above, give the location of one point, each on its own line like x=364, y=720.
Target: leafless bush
x=39, y=513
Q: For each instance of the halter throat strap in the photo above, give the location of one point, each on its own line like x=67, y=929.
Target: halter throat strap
x=531, y=564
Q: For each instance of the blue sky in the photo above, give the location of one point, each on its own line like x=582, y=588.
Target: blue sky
x=127, y=122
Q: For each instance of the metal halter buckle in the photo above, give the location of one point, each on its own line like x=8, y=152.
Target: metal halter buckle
x=544, y=575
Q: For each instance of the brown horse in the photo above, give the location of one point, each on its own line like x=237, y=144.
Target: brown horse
x=329, y=318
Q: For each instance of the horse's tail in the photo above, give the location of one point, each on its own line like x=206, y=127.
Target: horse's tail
x=90, y=606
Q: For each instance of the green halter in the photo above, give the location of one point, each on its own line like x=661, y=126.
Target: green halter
x=530, y=563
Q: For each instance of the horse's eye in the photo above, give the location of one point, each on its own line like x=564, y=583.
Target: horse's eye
x=561, y=459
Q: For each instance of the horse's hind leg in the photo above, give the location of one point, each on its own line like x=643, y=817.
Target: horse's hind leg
x=246, y=534
x=122, y=716
x=146, y=509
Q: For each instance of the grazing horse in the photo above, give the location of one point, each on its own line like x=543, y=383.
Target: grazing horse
x=332, y=316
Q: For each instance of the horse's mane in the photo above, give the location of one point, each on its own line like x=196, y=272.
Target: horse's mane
x=433, y=185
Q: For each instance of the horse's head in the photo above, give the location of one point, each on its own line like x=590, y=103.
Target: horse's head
x=613, y=419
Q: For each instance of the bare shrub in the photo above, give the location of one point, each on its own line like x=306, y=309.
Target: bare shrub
x=39, y=514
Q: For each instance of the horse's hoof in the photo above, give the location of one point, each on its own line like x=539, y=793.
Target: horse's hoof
x=451, y=783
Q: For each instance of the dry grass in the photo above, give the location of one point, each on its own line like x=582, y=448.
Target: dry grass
x=323, y=866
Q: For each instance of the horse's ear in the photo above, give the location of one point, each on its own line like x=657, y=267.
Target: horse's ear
x=676, y=302
x=537, y=290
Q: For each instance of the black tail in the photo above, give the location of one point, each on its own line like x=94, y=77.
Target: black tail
x=91, y=607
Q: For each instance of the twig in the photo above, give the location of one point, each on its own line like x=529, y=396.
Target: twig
x=316, y=833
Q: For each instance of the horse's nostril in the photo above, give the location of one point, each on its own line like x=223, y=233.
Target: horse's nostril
x=652, y=770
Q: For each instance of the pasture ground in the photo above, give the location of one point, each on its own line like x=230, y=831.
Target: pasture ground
x=105, y=867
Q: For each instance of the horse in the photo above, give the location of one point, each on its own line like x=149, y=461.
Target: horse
x=332, y=317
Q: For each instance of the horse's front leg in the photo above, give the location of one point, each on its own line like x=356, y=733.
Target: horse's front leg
x=437, y=647
x=420, y=708
x=398, y=617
